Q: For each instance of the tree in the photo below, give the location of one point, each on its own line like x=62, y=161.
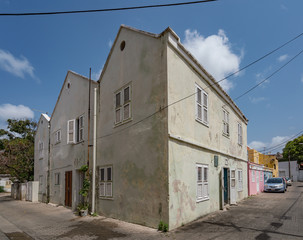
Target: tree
x=17, y=149
x=294, y=149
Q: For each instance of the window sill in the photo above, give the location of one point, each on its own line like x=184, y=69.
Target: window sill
x=203, y=123
x=226, y=135
x=123, y=122
x=202, y=200
x=106, y=198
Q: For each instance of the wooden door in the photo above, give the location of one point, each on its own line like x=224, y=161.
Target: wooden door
x=68, y=188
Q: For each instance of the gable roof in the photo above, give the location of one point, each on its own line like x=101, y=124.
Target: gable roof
x=174, y=40
x=69, y=72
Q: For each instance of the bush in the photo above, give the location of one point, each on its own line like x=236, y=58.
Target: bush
x=165, y=227
x=160, y=226
x=1, y=189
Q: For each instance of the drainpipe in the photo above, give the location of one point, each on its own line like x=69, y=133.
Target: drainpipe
x=48, y=166
x=88, y=117
x=94, y=151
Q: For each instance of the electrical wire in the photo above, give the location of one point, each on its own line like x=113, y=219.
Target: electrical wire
x=275, y=72
x=105, y=10
x=281, y=144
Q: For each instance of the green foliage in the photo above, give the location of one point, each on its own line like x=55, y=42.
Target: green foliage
x=165, y=227
x=1, y=189
x=85, y=188
x=160, y=226
x=294, y=149
x=82, y=206
x=84, y=168
x=17, y=145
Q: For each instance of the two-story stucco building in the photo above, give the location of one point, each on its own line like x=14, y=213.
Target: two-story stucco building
x=41, y=157
x=169, y=138
x=171, y=144
x=65, y=143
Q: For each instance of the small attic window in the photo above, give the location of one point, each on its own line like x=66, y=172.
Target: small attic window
x=41, y=121
x=68, y=85
x=122, y=45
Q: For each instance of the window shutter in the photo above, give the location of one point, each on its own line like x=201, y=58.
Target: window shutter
x=109, y=192
x=102, y=189
x=71, y=131
x=205, y=107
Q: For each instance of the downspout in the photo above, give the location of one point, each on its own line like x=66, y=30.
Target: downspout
x=48, y=166
x=88, y=117
x=94, y=151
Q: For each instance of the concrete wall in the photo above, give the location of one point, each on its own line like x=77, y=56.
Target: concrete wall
x=71, y=104
x=192, y=142
x=41, y=161
x=136, y=150
x=284, y=170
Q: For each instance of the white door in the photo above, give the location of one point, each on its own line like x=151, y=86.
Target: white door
x=233, y=192
x=257, y=181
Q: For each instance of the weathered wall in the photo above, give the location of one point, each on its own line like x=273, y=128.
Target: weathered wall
x=41, y=162
x=294, y=170
x=72, y=103
x=208, y=141
x=137, y=149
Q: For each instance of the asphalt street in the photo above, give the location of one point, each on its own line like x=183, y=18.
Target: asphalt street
x=262, y=217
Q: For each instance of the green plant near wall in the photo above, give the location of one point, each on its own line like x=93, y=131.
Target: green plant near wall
x=84, y=191
x=1, y=189
x=162, y=226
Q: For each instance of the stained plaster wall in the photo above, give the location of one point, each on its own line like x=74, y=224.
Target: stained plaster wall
x=208, y=141
x=136, y=151
x=71, y=104
x=41, y=162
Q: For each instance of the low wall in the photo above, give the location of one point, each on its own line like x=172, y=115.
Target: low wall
x=25, y=191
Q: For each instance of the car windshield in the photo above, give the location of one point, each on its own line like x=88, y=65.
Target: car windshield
x=274, y=180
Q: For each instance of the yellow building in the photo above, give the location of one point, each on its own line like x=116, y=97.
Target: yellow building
x=270, y=161
x=253, y=155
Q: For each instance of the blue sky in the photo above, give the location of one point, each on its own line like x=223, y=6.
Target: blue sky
x=37, y=51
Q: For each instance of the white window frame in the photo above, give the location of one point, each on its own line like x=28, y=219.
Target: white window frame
x=71, y=130
x=240, y=134
x=202, y=183
x=41, y=148
x=261, y=176
x=202, y=105
x=58, y=136
x=106, y=184
x=123, y=105
x=226, y=129
x=57, y=178
x=253, y=176
x=240, y=180
x=80, y=129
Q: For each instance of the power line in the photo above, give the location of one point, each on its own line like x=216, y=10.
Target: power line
x=275, y=72
x=173, y=103
x=105, y=10
x=282, y=143
x=110, y=134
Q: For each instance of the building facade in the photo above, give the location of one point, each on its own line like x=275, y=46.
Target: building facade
x=41, y=156
x=171, y=144
x=160, y=158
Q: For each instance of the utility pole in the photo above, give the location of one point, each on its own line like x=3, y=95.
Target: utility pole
x=289, y=166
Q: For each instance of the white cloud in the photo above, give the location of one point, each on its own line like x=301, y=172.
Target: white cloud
x=257, y=99
x=282, y=58
x=16, y=66
x=110, y=43
x=283, y=7
x=214, y=53
x=96, y=75
x=15, y=112
x=273, y=146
